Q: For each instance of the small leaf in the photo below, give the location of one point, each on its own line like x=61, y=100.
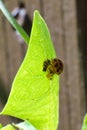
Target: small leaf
x=33, y=96
x=84, y=126
x=1, y=126
x=24, y=126
x=8, y=127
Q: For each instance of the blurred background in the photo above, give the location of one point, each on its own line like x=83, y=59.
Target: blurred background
x=67, y=22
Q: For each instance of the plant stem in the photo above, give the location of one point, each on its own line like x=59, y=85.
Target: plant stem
x=13, y=22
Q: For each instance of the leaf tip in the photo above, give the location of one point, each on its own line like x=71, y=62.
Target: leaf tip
x=36, y=12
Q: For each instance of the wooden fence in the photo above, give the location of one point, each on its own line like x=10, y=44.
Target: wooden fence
x=61, y=17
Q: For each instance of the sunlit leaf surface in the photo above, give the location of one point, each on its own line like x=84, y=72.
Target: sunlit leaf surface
x=33, y=96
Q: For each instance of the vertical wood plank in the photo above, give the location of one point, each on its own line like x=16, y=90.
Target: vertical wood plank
x=72, y=61
x=32, y=5
x=6, y=69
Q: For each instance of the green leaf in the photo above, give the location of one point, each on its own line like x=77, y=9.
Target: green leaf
x=14, y=23
x=33, y=96
x=1, y=125
x=24, y=126
x=84, y=126
x=8, y=127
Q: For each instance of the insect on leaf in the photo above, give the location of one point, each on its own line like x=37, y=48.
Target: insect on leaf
x=33, y=96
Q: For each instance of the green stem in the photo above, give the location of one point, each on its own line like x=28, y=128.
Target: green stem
x=14, y=23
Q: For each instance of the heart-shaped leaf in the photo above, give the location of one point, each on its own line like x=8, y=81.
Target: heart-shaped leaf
x=34, y=97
